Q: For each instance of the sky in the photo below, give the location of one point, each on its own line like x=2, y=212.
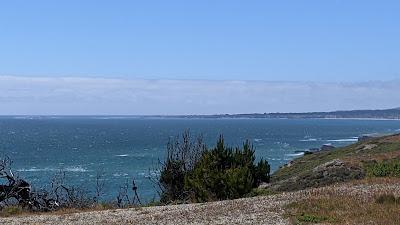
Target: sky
x=198, y=57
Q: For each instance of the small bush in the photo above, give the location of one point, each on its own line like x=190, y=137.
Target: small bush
x=260, y=192
x=308, y=218
x=390, y=168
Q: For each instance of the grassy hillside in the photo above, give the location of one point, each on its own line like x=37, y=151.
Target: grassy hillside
x=375, y=162
x=374, y=157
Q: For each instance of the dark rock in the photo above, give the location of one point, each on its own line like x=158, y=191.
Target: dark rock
x=327, y=147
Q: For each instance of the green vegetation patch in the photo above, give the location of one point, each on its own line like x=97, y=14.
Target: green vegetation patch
x=193, y=173
x=306, y=212
x=387, y=168
x=261, y=192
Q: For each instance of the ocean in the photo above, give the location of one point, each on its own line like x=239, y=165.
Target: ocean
x=124, y=147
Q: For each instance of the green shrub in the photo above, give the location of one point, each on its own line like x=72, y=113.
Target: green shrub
x=206, y=175
x=260, y=192
x=172, y=180
x=262, y=171
x=390, y=168
x=225, y=173
x=312, y=218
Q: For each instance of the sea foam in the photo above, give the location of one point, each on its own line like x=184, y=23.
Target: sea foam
x=52, y=169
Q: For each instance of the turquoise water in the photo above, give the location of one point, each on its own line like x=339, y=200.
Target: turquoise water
x=127, y=147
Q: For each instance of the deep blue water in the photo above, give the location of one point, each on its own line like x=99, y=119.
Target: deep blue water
x=130, y=147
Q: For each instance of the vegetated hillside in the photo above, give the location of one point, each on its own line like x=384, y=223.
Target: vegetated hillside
x=377, y=157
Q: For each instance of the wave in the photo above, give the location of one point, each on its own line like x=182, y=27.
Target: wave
x=295, y=154
x=284, y=144
x=120, y=174
x=309, y=139
x=51, y=169
x=344, y=140
x=75, y=169
x=122, y=155
x=275, y=159
x=150, y=174
x=114, y=117
x=257, y=139
x=24, y=117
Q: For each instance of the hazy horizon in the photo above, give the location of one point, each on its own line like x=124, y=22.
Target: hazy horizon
x=106, y=96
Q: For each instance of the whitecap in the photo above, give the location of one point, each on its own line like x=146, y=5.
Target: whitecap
x=34, y=169
x=122, y=155
x=120, y=174
x=344, y=140
x=274, y=159
x=257, y=139
x=295, y=154
x=309, y=139
x=75, y=169
x=51, y=169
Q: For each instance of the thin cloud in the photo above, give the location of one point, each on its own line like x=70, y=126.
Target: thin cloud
x=82, y=96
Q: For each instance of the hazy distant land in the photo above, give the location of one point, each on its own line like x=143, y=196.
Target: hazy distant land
x=351, y=114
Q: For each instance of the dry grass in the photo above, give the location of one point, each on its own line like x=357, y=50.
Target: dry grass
x=334, y=210
x=376, y=180
x=354, y=202
x=391, y=139
x=360, y=158
x=333, y=206
x=18, y=211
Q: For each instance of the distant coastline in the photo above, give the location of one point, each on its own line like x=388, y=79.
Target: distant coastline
x=379, y=114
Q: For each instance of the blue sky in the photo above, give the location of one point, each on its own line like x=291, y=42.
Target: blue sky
x=246, y=40
x=335, y=43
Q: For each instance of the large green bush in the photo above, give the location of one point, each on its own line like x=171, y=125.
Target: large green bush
x=219, y=173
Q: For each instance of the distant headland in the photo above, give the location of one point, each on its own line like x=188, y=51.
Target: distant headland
x=393, y=114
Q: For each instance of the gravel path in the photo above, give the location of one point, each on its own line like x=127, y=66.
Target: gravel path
x=257, y=210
